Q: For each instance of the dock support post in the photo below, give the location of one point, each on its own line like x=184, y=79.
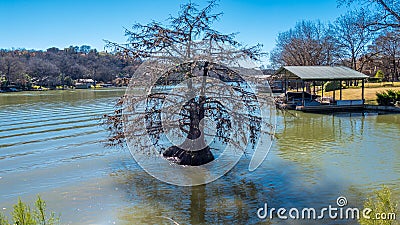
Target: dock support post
x=302, y=93
x=334, y=95
x=362, y=91
x=314, y=88
x=322, y=89
x=340, y=87
x=286, y=86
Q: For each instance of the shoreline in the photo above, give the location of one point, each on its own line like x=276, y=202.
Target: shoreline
x=66, y=89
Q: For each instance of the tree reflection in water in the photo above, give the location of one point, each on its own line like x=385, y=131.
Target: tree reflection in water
x=232, y=199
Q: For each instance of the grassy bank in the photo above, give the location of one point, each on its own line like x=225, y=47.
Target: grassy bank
x=369, y=92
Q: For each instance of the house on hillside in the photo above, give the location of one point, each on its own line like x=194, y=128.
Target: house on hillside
x=84, y=83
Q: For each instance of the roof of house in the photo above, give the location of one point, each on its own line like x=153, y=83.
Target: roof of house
x=85, y=80
x=320, y=73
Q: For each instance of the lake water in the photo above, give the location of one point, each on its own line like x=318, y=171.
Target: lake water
x=51, y=144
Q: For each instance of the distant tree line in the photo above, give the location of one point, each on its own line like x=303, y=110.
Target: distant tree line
x=23, y=68
x=366, y=39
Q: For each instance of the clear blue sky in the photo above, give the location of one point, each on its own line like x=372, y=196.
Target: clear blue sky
x=42, y=24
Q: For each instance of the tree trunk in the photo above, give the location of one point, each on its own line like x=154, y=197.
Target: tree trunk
x=194, y=150
x=394, y=78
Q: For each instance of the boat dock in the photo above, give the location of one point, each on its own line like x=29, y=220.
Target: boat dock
x=309, y=101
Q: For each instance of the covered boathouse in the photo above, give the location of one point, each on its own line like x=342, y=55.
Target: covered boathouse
x=305, y=77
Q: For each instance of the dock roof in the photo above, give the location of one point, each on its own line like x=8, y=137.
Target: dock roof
x=320, y=73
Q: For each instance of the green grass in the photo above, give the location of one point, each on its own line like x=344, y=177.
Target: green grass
x=381, y=202
x=23, y=215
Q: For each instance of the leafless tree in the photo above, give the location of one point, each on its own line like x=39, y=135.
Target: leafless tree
x=186, y=49
x=384, y=13
x=387, y=47
x=307, y=44
x=11, y=68
x=352, y=37
x=45, y=71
